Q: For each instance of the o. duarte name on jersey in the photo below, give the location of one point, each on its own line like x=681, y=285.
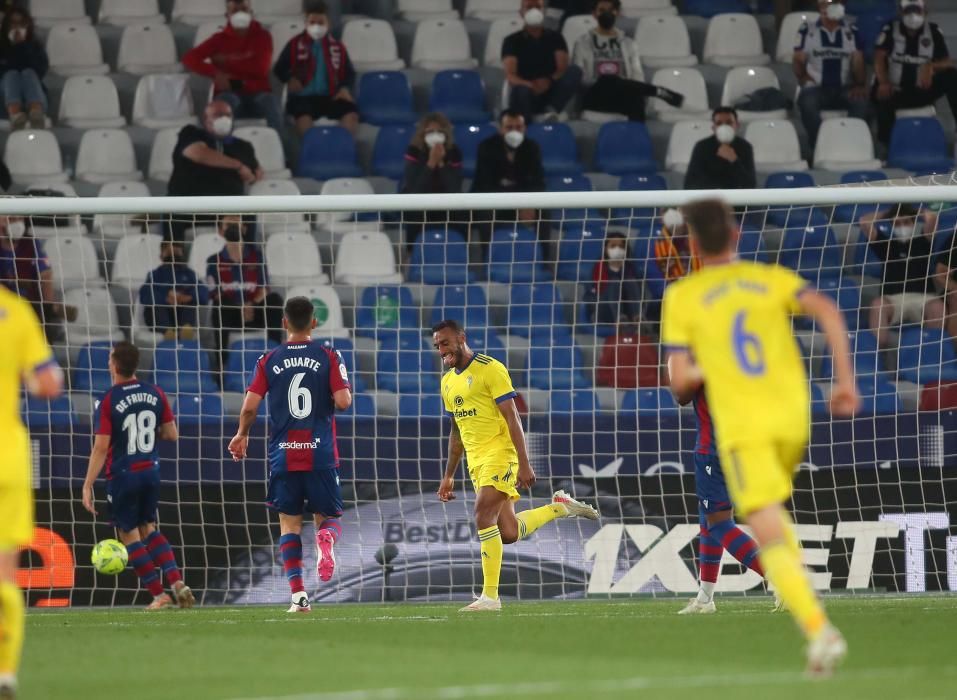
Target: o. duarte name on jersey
x=296, y=362
x=143, y=397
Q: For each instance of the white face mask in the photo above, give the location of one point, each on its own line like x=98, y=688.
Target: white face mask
x=913, y=20
x=616, y=253
x=240, y=20
x=16, y=229
x=317, y=31
x=534, y=17
x=904, y=232
x=223, y=126
x=514, y=138
x=673, y=219
x=725, y=133
x=835, y=11
x=434, y=138
x=15, y=35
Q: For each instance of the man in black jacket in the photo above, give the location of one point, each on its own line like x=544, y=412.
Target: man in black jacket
x=724, y=160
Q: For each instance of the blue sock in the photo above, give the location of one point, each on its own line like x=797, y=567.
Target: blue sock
x=142, y=564
x=290, y=548
x=738, y=543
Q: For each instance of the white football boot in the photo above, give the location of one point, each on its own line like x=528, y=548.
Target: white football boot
x=575, y=508
x=300, y=603
x=825, y=652
x=483, y=603
x=696, y=607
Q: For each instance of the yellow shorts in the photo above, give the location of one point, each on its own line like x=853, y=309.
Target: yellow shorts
x=761, y=474
x=499, y=475
x=16, y=525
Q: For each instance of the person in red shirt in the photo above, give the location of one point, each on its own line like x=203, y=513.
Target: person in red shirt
x=237, y=60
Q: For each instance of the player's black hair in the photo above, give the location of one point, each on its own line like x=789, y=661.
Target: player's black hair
x=315, y=7
x=509, y=113
x=126, y=358
x=725, y=110
x=452, y=325
x=614, y=3
x=710, y=223
x=299, y=313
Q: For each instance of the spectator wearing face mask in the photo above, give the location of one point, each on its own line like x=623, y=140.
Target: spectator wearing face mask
x=237, y=59
x=172, y=295
x=724, y=160
x=316, y=68
x=611, y=68
x=912, y=67
x=903, y=238
x=23, y=63
x=614, y=294
x=541, y=79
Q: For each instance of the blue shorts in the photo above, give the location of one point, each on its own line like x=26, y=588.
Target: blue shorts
x=709, y=484
x=133, y=498
x=298, y=493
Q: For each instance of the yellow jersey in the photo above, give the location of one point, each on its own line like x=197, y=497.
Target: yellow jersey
x=471, y=396
x=735, y=320
x=25, y=350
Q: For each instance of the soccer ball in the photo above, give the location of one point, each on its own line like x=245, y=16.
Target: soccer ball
x=109, y=557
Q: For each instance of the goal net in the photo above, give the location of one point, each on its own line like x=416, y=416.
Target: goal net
x=578, y=329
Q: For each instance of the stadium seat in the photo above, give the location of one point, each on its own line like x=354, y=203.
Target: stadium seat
x=751, y=246
x=741, y=82
x=118, y=225
x=204, y=246
x=535, y=308
x=575, y=26
x=515, y=255
x=864, y=352
x=268, y=148
x=555, y=367
x=664, y=42
x=688, y=82
x=344, y=185
x=650, y=402
x=281, y=222
x=282, y=31
x=91, y=371
x=161, y=153
x=90, y=102
x=371, y=45
x=406, y=364
x=327, y=309
x=207, y=29
x=388, y=153
x=385, y=310
x=776, y=146
x=789, y=180
x=328, y=152
x=581, y=246
x=577, y=401
x=292, y=258
x=879, y=397
x=34, y=156
x=96, y=316
x=440, y=256
x=571, y=183
x=847, y=293
x=385, y=97
x=467, y=138
x=812, y=251
x=489, y=10
x=366, y=257
x=459, y=95
x=638, y=183
x=497, y=31
x=73, y=261
x=343, y=345
x=466, y=304
x=559, y=150
x=241, y=361
x=419, y=10
x=146, y=49
x=48, y=13
x=442, y=44
x=192, y=409
x=106, y=155
x=425, y=406
x=734, y=39
x=938, y=396
x=628, y=361
x=681, y=142
x=640, y=8
x=926, y=355
x=638, y=157
x=163, y=101
x=182, y=367
x=845, y=144
x=48, y=414
x=196, y=12
x=919, y=145
x=123, y=12
x=784, y=53
x=851, y=213
x=710, y=8
x=137, y=254
x=276, y=11
x=74, y=49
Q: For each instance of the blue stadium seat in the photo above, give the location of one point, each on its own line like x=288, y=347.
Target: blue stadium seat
x=486, y=341
x=555, y=367
x=199, y=408
x=241, y=361
x=385, y=97
x=819, y=407
x=467, y=138
x=406, y=364
x=926, y=355
x=789, y=180
x=847, y=293
x=865, y=260
x=426, y=406
x=183, y=367
x=812, y=251
x=624, y=148
x=710, y=8
x=792, y=216
x=515, y=255
x=878, y=396
x=559, y=150
x=388, y=154
x=440, y=256
x=52, y=414
x=638, y=183
x=363, y=406
x=581, y=246
x=345, y=348
x=328, y=152
x=796, y=217
x=919, y=144
x=851, y=213
x=751, y=246
x=570, y=183
x=866, y=356
x=534, y=306
x=465, y=304
x=650, y=402
x=869, y=25
x=91, y=372
x=577, y=401
x=459, y=95
x=384, y=311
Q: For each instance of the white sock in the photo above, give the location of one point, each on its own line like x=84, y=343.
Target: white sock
x=706, y=592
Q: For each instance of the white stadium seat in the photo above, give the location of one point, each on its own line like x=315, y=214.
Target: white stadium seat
x=684, y=136
x=775, y=144
x=333, y=326
x=497, y=31
x=275, y=11
x=137, y=254
x=341, y=185
x=147, y=48
x=491, y=10
x=47, y=13
x=106, y=155
x=787, y=35
x=118, y=225
x=664, y=42
x=442, y=44
x=371, y=45
x=163, y=100
x=161, y=153
x=575, y=26
x=365, y=258
x=34, y=156
x=207, y=29
x=734, y=39
x=690, y=83
x=639, y=8
x=292, y=259
x=90, y=102
x=123, y=12
x=96, y=316
x=282, y=32
x=74, y=49
x=741, y=82
x=204, y=246
x=196, y=12
x=284, y=221
x=73, y=261
x=418, y=10
x=268, y=150
x=845, y=144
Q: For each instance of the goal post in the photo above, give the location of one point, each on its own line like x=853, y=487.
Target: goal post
x=875, y=499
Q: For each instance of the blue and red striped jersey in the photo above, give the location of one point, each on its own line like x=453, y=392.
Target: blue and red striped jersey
x=131, y=413
x=299, y=380
x=705, y=443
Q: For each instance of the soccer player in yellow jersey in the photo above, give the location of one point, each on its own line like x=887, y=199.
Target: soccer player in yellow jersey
x=26, y=359
x=729, y=325
x=478, y=396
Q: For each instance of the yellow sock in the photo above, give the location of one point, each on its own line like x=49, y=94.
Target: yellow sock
x=491, y=540
x=783, y=567
x=11, y=627
x=530, y=520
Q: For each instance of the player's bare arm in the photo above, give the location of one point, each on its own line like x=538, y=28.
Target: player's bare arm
x=247, y=416
x=456, y=450
x=688, y=388
x=845, y=400
x=169, y=432
x=342, y=399
x=526, y=477
x=46, y=383
x=101, y=446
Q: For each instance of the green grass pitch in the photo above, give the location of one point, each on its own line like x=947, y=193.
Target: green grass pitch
x=900, y=648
